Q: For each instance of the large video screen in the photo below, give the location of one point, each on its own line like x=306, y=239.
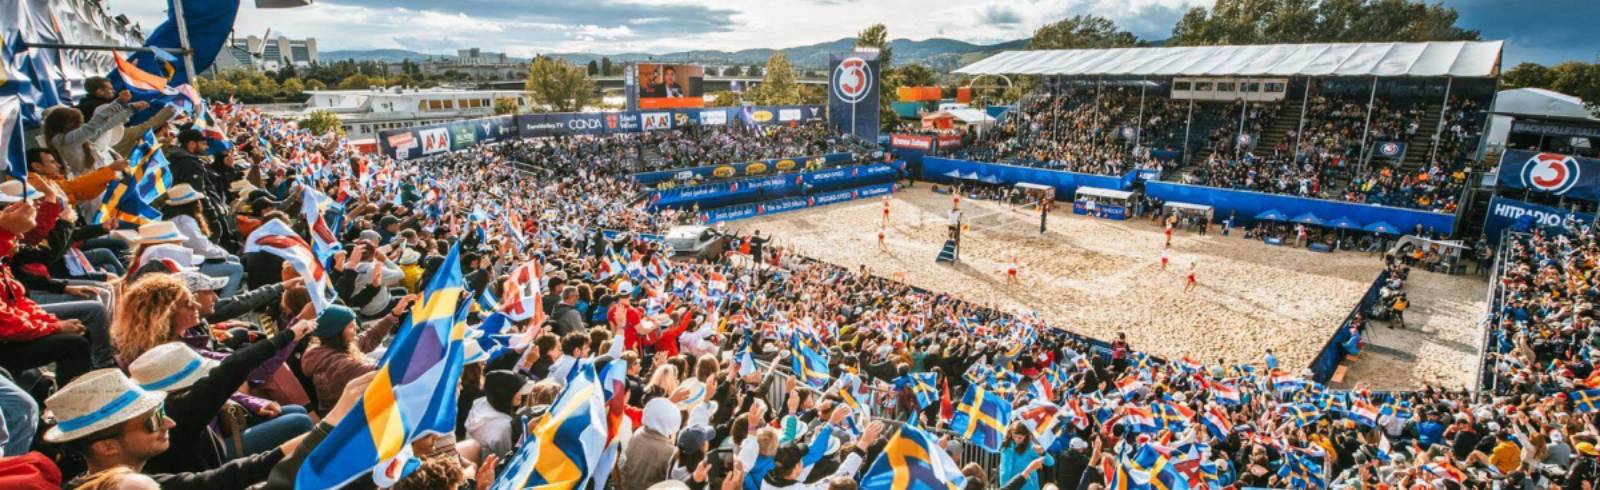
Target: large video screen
x=670, y=86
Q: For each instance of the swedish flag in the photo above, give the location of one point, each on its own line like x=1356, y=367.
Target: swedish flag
x=151, y=167
x=121, y=202
x=913, y=460
x=809, y=365
x=413, y=395
x=1586, y=400
x=563, y=450
x=982, y=417
x=926, y=388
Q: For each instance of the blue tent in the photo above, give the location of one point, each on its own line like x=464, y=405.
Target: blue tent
x=1271, y=215
x=1308, y=218
x=1344, y=222
x=1382, y=227
x=989, y=179
x=954, y=174
x=970, y=176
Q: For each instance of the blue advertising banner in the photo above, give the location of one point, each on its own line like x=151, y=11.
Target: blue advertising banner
x=1511, y=214
x=1389, y=150
x=1553, y=173
x=853, y=91
x=730, y=170
x=428, y=140
x=732, y=213
x=1099, y=210
x=763, y=188
x=1066, y=183
x=1245, y=205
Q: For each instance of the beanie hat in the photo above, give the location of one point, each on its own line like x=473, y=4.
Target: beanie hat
x=333, y=320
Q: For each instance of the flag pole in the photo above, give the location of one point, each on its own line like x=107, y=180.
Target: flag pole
x=183, y=40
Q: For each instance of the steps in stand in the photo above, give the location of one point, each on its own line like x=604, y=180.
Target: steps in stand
x=948, y=253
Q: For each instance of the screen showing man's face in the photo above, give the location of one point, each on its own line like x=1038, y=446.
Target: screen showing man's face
x=672, y=76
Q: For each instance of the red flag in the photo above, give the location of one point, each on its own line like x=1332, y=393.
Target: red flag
x=946, y=411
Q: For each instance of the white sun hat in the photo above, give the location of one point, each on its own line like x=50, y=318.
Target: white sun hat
x=169, y=367
x=95, y=401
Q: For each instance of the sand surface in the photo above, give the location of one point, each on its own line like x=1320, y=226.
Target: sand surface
x=1100, y=278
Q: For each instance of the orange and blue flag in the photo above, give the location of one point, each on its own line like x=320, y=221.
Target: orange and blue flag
x=121, y=202
x=413, y=395
x=913, y=460
x=925, y=386
x=562, y=452
x=982, y=418
x=151, y=167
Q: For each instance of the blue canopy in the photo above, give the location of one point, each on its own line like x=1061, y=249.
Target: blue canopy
x=1271, y=215
x=989, y=179
x=954, y=174
x=1344, y=222
x=1382, y=227
x=1308, y=218
x=970, y=176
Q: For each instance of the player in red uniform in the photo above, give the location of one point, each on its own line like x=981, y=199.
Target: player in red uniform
x=1163, y=261
x=1191, y=284
x=1011, y=272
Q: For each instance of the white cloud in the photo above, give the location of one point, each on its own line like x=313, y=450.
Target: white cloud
x=593, y=32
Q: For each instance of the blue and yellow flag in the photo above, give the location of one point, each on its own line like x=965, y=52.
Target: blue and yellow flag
x=809, y=365
x=414, y=394
x=563, y=450
x=151, y=167
x=982, y=417
x=1586, y=400
x=121, y=202
x=926, y=388
x=913, y=460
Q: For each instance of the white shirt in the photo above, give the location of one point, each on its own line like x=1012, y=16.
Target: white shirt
x=195, y=240
x=489, y=427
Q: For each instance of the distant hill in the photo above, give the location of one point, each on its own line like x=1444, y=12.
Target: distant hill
x=940, y=54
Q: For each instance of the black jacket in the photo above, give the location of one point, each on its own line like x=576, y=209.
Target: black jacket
x=194, y=445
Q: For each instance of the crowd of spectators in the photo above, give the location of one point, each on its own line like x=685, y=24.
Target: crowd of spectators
x=1076, y=130
x=145, y=350
x=734, y=143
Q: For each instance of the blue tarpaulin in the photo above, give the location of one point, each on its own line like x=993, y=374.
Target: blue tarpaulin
x=1065, y=183
x=1344, y=222
x=1308, y=218
x=1247, y=203
x=1382, y=227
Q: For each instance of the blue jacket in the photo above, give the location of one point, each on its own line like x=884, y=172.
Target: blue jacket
x=1012, y=464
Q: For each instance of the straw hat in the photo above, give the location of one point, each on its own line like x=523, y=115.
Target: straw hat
x=97, y=400
x=182, y=194
x=197, y=282
x=158, y=232
x=13, y=190
x=177, y=253
x=169, y=367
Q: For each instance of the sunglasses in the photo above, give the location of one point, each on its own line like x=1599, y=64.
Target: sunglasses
x=156, y=420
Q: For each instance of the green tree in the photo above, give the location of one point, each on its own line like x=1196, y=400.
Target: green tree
x=1306, y=21
x=730, y=71
x=779, y=86
x=1081, y=32
x=724, y=98
x=1528, y=74
x=558, y=85
x=292, y=88
x=287, y=72
x=877, y=36
x=594, y=68
x=915, y=75
x=754, y=70
x=605, y=66
x=356, y=82
x=505, y=106
x=315, y=84
x=322, y=121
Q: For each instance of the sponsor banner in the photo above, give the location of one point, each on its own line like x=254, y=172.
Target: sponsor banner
x=1390, y=150
x=435, y=140
x=760, y=188
x=1552, y=173
x=1554, y=129
x=787, y=115
x=775, y=206
x=731, y=170
x=651, y=121
x=853, y=91
x=949, y=141
x=658, y=86
x=911, y=141
x=713, y=118
x=462, y=136
x=1099, y=210
x=1511, y=214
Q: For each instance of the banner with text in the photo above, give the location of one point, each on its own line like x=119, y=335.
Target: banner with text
x=1511, y=214
x=747, y=169
x=775, y=206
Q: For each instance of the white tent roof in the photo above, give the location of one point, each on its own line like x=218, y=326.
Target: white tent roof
x=1541, y=103
x=1105, y=193
x=1428, y=59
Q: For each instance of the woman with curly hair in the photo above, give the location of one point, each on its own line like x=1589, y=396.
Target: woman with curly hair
x=155, y=310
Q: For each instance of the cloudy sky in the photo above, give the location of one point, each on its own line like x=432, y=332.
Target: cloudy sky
x=1548, y=34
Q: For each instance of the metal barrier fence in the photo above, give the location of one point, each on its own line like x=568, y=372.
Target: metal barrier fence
x=1487, y=380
